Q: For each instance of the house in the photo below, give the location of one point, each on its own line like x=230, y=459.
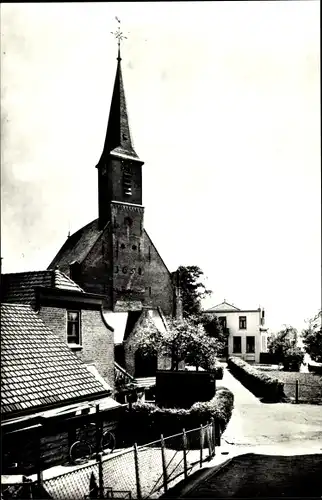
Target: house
x=247, y=334
x=48, y=392
x=113, y=255
x=73, y=315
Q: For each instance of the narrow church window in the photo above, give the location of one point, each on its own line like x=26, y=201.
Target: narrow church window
x=140, y=270
x=127, y=183
x=149, y=254
x=122, y=246
x=73, y=328
x=150, y=291
x=134, y=247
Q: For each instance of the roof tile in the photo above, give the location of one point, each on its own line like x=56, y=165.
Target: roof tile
x=30, y=378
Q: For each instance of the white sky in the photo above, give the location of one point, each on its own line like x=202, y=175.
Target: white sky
x=224, y=108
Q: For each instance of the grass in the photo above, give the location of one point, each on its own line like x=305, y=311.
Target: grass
x=310, y=385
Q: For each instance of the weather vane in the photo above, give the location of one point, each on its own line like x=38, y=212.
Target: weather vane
x=118, y=35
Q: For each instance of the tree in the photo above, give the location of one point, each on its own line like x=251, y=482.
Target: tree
x=214, y=329
x=312, y=337
x=192, y=289
x=184, y=340
x=285, y=349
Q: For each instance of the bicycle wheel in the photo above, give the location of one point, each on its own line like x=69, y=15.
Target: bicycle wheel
x=80, y=452
x=108, y=442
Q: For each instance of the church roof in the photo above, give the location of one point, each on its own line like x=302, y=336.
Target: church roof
x=38, y=368
x=20, y=287
x=118, y=140
x=77, y=246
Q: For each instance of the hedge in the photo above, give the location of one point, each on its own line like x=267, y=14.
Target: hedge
x=145, y=422
x=259, y=383
x=268, y=358
x=315, y=369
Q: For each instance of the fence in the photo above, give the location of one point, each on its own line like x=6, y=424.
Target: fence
x=139, y=472
x=301, y=392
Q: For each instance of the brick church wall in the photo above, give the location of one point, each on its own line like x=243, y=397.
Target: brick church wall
x=96, y=270
x=159, y=290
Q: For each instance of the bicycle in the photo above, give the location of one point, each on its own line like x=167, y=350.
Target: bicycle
x=81, y=450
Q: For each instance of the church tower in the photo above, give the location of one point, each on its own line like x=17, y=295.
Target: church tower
x=113, y=255
x=120, y=199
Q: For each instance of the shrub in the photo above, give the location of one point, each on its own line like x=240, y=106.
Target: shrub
x=261, y=384
x=268, y=358
x=315, y=369
x=217, y=370
x=145, y=422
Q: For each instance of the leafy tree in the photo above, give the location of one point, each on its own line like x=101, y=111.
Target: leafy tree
x=192, y=289
x=184, y=340
x=284, y=347
x=214, y=329
x=312, y=337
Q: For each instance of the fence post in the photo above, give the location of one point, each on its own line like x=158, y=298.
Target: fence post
x=164, y=466
x=213, y=431
x=201, y=444
x=184, y=447
x=39, y=459
x=97, y=431
x=296, y=391
x=137, y=472
x=217, y=432
x=100, y=476
x=209, y=440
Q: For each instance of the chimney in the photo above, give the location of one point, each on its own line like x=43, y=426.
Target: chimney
x=263, y=317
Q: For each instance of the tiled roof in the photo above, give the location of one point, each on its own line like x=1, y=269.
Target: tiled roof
x=20, y=287
x=64, y=282
x=77, y=246
x=38, y=368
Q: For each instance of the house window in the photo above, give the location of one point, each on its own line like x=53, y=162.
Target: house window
x=242, y=323
x=237, y=344
x=250, y=345
x=223, y=322
x=73, y=328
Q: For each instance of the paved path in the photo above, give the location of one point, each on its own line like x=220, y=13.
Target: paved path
x=257, y=434
x=262, y=424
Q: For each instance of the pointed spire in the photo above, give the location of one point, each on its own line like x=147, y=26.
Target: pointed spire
x=118, y=139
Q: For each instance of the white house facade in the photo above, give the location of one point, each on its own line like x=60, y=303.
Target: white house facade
x=247, y=332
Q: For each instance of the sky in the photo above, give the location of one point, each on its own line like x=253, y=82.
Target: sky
x=224, y=107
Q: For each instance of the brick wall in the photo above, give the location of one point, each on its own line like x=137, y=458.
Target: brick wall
x=97, y=339
x=98, y=344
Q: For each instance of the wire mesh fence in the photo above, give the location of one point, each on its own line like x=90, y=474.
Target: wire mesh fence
x=73, y=485
x=138, y=472
x=301, y=392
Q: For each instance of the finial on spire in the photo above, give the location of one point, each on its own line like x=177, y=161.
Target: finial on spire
x=119, y=36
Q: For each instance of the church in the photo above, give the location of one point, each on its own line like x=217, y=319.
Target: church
x=113, y=255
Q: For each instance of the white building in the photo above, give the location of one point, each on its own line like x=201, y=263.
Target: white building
x=247, y=333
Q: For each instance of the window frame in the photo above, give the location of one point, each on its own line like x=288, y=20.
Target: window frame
x=234, y=350
x=247, y=345
x=223, y=322
x=79, y=323
x=242, y=320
